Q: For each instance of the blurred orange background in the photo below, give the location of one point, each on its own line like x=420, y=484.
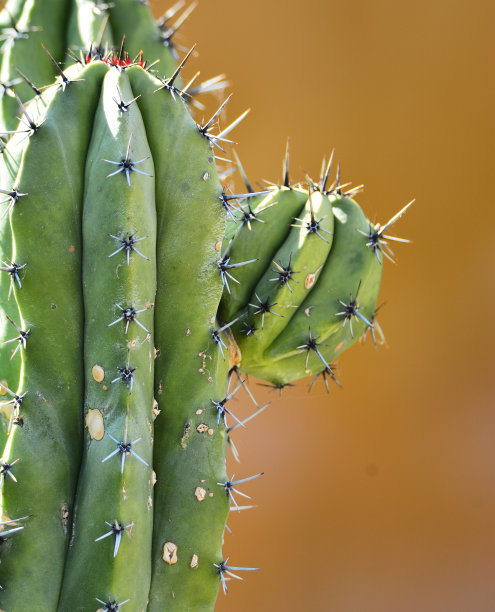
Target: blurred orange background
x=381, y=496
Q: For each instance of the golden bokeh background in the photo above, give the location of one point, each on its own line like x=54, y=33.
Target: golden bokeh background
x=381, y=496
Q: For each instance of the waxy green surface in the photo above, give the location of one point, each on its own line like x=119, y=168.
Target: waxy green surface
x=88, y=25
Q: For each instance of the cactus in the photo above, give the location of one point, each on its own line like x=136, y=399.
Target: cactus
x=135, y=294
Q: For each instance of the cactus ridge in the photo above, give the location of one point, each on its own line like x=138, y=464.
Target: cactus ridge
x=109, y=493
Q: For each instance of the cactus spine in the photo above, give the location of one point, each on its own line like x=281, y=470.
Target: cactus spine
x=143, y=286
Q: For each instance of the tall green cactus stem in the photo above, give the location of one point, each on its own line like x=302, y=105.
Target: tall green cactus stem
x=104, y=172
x=189, y=456
x=91, y=26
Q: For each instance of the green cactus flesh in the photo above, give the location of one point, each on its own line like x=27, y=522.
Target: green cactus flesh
x=134, y=287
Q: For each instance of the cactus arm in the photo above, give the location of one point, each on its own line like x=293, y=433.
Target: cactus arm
x=350, y=265
x=105, y=493
x=189, y=460
x=135, y=21
x=48, y=444
x=276, y=212
x=41, y=22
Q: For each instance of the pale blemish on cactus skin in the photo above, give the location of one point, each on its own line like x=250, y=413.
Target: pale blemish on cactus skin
x=170, y=553
x=95, y=424
x=186, y=434
x=98, y=373
x=200, y=493
x=309, y=281
x=64, y=516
